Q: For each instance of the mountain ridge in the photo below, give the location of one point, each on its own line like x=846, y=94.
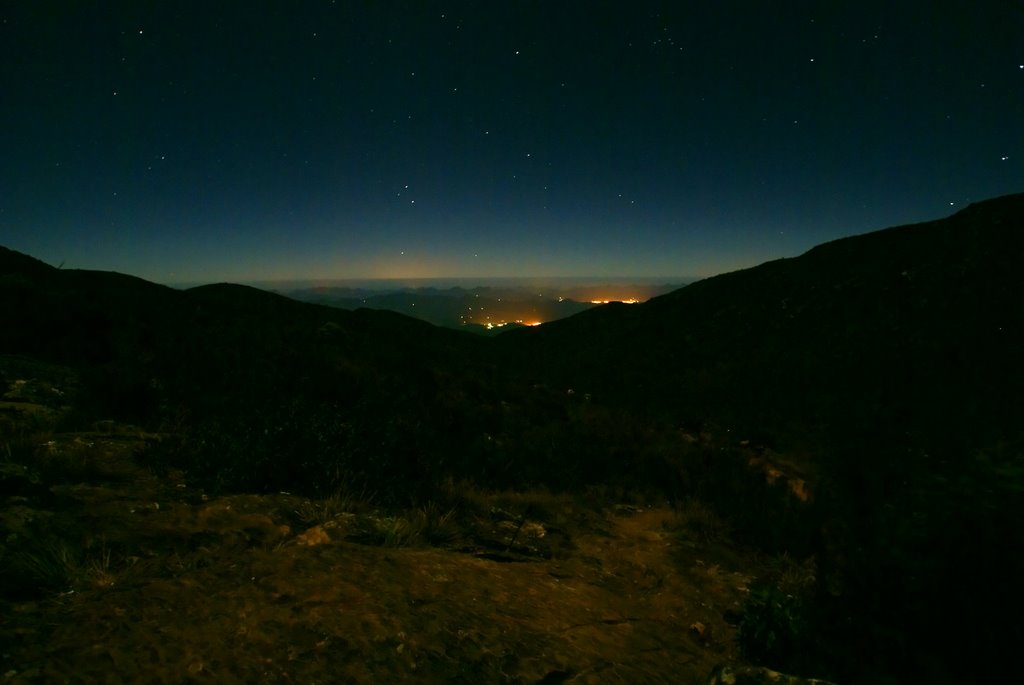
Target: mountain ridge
x=716, y=349
x=879, y=297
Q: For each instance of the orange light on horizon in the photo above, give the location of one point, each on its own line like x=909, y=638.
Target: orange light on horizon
x=631, y=300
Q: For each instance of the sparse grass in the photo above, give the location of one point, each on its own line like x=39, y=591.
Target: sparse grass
x=316, y=512
x=398, y=531
x=176, y=563
x=430, y=525
x=100, y=570
x=341, y=501
x=464, y=497
x=56, y=459
x=40, y=566
x=21, y=448
x=69, y=461
x=699, y=521
x=50, y=563
x=774, y=626
x=441, y=526
x=603, y=497
x=791, y=576
x=538, y=504
x=19, y=419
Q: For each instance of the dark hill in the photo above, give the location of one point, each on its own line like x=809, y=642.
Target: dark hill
x=12, y=262
x=229, y=362
x=914, y=327
x=79, y=317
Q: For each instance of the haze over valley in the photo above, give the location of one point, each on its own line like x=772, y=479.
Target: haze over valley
x=491, y=307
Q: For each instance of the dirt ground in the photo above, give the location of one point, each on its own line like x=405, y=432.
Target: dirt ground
x=151, y=581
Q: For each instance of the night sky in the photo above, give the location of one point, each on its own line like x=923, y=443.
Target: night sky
x=208, y=141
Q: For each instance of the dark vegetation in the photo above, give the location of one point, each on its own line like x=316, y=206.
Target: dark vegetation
x=854, y=412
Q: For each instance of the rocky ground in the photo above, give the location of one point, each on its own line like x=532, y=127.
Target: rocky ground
x=118, y=572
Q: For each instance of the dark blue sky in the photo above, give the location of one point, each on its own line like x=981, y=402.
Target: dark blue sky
x=248, y=141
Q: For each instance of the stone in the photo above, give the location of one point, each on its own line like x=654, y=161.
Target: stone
x=732, y=674
x=312, y=537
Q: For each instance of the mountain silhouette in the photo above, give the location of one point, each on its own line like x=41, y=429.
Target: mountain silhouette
x=913, y=326
x=141, y=346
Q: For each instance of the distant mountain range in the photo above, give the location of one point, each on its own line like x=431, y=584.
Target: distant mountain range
x=487, y=309
x=915, y=324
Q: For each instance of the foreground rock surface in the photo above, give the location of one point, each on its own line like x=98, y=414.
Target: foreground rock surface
x=756, y=675
x=150, y=581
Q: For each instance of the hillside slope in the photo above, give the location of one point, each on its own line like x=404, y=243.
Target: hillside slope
x=222, y=363
x=916, y=325
x=884, y=368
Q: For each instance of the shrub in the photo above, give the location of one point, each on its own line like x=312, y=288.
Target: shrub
x=773, y=628
x=37, y=567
